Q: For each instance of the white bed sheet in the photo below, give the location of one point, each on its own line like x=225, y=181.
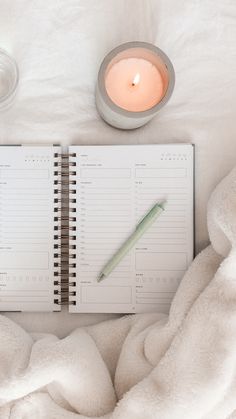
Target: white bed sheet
x=59, y=45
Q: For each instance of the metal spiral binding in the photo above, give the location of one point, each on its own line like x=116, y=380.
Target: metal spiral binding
x=72, y=237
x=64, y=228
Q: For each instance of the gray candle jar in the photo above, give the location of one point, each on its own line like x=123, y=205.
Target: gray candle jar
x=115, y=115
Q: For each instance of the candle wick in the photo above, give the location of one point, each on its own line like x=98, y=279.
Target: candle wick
x=136, y=80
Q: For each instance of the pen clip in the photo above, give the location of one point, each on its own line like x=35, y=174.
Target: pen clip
x=153, y=209
x=140, y=222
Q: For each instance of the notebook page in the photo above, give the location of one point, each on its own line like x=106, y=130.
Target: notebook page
x=116, y=186
x=26, y=228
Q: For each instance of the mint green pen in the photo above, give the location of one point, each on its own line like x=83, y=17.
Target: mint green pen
x=141, y=228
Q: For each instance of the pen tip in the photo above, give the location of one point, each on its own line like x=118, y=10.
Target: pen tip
x=100, y=277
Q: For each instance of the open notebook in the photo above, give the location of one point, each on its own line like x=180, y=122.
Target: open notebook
x=63, y=215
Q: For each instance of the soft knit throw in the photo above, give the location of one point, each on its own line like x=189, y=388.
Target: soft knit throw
x=140, y=366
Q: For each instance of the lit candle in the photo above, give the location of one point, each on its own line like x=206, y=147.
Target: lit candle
x=135, y=80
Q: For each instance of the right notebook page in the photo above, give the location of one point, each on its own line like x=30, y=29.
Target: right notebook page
x=115, y=187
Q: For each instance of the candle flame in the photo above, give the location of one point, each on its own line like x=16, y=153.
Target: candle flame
x=136, y=80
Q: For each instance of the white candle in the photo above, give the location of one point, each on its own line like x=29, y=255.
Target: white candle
x=135, y=80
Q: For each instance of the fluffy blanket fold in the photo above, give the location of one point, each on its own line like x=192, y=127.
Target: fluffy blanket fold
x=143, y=366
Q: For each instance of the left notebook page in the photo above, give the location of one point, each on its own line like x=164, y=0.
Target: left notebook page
x=27, y=228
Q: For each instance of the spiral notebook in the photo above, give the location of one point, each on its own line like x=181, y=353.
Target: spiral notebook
x=64, y=212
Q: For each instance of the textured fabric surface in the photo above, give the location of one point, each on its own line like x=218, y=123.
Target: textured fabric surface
x=179, y=366
x=59, y=45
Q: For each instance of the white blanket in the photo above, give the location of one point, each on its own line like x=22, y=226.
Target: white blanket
x=177, y=367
